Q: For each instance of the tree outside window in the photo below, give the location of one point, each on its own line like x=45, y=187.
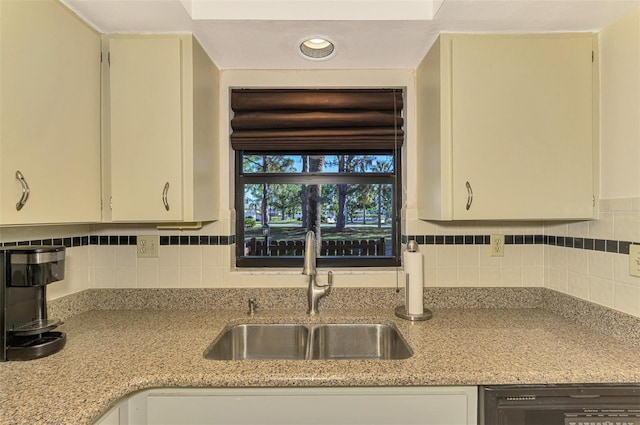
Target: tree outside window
x=349, y=199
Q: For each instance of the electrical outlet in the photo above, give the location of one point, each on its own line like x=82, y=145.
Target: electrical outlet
x=148, y=246
x=634, y=260
x=497, y=245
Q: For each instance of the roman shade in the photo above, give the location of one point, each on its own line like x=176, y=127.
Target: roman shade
x=316, y=119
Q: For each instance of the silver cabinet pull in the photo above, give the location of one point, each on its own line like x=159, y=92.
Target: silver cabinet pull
x=469, y=196
x=25, y=191
x=165, y=191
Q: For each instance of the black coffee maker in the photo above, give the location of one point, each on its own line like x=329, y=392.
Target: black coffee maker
x=25, y=272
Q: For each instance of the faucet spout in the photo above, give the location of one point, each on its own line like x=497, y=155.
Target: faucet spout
x=310, y=254
x=314, y=292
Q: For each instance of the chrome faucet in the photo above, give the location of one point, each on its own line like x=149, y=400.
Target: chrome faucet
x=315, y=291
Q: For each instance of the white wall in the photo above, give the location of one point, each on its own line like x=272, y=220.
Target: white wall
x=213, y=266
x=603, y=277
x=597, y=276
x=620, y=108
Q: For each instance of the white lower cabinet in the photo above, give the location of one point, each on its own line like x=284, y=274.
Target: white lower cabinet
x=115, y=416
x=284, y=406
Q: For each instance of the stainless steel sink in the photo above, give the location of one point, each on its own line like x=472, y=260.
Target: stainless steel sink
x=260, y=342
x=353, y=341
x=358, y=341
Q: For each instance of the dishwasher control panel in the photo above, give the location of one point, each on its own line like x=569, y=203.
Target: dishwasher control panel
x=559, y=404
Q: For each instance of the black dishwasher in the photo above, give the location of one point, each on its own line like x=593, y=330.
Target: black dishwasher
x=559, y=404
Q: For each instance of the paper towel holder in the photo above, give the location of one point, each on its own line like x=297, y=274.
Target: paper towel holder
x=412, y=246
x=401, y=312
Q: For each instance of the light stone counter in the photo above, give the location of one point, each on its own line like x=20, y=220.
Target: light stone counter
x=112, y=353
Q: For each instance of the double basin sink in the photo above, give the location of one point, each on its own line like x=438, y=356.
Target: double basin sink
x=359, y=341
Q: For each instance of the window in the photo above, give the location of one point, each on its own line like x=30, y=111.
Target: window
x=342, y=185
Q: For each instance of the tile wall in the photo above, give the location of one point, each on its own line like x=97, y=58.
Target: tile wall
x=452, y=258
x=601, y=274
x=585, y=259
x=190, y=264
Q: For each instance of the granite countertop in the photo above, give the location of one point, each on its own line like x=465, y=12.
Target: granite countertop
x=110, y=354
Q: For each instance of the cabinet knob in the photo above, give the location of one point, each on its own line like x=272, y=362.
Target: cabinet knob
x=469, y=195
x=25, y=191
x=165, y=191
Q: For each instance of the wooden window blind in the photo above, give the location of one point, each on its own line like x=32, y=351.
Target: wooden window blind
x=316, y=119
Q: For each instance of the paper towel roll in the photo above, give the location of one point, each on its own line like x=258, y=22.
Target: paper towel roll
x=414, y=292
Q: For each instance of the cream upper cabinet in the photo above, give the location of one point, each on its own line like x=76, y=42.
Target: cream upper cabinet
x=162, y=98
x=507, y=127
x=49, y=115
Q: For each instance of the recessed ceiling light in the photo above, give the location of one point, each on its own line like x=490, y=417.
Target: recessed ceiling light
x=316, y=48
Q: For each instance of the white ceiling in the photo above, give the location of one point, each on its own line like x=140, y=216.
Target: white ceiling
x=399, y=41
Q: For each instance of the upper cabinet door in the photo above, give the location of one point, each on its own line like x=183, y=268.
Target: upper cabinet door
x=514, y=133
x=522, y=127
x=146, y=129
x=50, y=115
x=160, y=155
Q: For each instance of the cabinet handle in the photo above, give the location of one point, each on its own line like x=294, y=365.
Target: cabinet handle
x=25, y=191
x=165, y=191
x=469, y=196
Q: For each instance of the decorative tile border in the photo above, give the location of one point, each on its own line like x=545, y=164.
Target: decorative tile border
x=473, y=239
x=603, y=245
x=198, y=240
x=126, y=240
x=67, y=242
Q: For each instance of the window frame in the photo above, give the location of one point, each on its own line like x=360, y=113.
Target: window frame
x=395, y=179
